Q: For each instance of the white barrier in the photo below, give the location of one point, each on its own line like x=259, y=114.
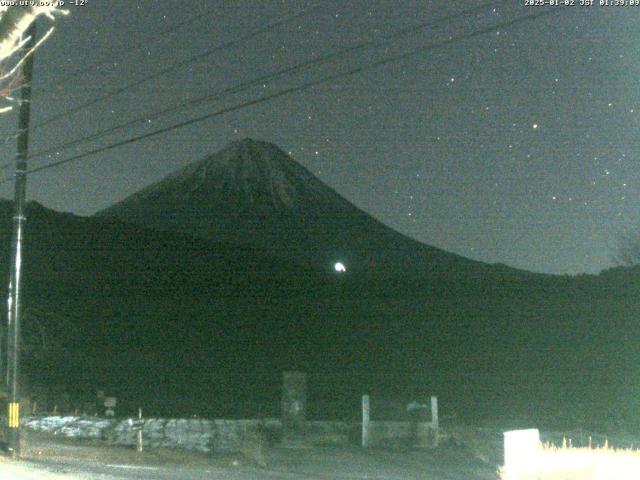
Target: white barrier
x=521, y=449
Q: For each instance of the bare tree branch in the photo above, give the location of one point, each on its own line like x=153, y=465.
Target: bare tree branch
x=14, y=22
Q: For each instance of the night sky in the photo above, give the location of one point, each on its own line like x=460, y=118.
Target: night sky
x=517, y=146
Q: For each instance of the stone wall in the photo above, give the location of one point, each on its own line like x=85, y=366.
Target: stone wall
x=218, y=436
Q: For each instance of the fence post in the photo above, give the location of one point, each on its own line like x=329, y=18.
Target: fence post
x=365, y=420
x=434, y=419
x=434, y=412
x=139, y=432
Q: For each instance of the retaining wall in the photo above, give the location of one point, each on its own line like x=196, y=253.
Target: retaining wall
x=214, y=436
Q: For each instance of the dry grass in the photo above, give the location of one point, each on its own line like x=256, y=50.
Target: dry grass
x=582, y=463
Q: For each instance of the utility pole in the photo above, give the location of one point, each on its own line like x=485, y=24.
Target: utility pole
x=19, y=219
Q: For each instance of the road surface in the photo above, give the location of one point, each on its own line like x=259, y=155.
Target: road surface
x=51, y=459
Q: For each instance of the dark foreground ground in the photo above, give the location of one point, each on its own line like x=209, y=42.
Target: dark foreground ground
x=46, y=458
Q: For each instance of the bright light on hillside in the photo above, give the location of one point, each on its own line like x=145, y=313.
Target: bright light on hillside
x=339, y=267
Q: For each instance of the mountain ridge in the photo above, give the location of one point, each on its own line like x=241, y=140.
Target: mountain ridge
x=253, y=191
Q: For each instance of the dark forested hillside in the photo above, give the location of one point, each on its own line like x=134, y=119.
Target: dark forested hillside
x=183, y=325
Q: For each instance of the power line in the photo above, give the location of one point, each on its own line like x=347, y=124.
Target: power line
x=299, y=88
x=129, y=52
x=295, y=89
x=268, y=77
x=175, y=66
x=157, y=37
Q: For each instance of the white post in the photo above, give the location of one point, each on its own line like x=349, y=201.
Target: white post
x=434, y=412
x=434, y=420
x=365, y=420
x=139, y=432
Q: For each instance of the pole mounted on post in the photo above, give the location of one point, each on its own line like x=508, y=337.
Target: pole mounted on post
x=19, y=219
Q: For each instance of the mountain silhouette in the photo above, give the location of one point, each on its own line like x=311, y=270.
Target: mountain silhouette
x=182, y=322
x=253, y=192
